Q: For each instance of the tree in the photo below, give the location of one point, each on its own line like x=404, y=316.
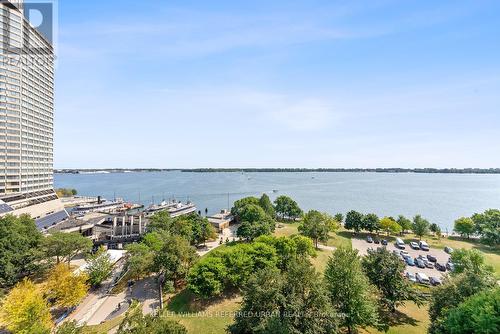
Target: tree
x=420, y=226
x=287, y=208
x=434, y=228
x=207, y=278
x=202, y=230
x=464, y=226
x=479, y=314
x=317, y=226
x=287, y=249
x=140, y=259
x=99, y=267
x=488, y=226
x=252, y=213
x=470, y=260
x=455, y=290
x=136, y=322
x=389, y=225
x=255, y=222
x=385, y=271
x=354, y=221
x=294, y=301
x=66, y=245
x=266, y=204
x=65, y=288
x=175, y=259
x=25, y=311
x=239, y=204
x=404, y=222
x=370, y=222
x=339, y=217
x=350, y=291
x=182, y=226
x=20, y=253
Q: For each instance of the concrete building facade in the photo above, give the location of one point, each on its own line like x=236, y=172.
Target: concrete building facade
x=26, y=116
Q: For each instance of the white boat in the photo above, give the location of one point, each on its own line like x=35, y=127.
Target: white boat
x=102, y=206
x=174, y=208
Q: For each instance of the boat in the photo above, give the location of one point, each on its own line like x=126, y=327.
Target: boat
x=174, y=208
x=102, y=205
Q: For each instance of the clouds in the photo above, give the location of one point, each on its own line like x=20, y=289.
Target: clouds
x=301, y=83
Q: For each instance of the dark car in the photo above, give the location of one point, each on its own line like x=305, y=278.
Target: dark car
x=431, y=258
x=369, y=239
x=440, y=267
x=435, y=281
x=384, y=242
x=420, y=263
x=376, y=241
x=448, y=250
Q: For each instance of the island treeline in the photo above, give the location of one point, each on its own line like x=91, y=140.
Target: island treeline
x=289, y=170
x=355, y=170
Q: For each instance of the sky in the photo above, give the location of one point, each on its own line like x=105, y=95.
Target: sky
x=188, y=84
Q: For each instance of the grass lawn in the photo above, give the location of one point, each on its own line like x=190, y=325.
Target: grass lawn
x=409, y=320
x=341, y=238
x=105, y=327
x=206, y=318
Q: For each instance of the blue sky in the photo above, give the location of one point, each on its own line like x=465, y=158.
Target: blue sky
x=278, y=84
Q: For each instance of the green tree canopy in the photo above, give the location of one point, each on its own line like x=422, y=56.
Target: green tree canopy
x=479, y=314
x=385, y=271
x=452, y=292
x=99, y=267
x=294, y=301
x=175, y=259
x=404, y=222
x=488, y=226
x=350, y=291
x=470, y=260
x=420, y=226
x=287, y=208
x=354, y=221
x=239, y=204
x=266, y=204
x=464, y=226
x=370, y=222
x=20, y=248
x=66, y=245
x=317, y=226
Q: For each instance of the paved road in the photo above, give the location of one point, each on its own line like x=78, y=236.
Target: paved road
x=99, y=306
x=440, y=255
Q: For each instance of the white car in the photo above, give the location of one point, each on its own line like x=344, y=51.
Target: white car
x=423, y=246
x=422, y=278
x=411, y=277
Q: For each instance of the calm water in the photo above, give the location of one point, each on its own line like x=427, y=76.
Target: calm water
x=441, y=198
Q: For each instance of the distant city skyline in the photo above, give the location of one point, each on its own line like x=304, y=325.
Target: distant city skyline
x=188, y=84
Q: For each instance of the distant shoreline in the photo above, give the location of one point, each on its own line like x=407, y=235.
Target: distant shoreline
x=287, y=170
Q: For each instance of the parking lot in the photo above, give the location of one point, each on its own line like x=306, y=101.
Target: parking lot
x=442, y=257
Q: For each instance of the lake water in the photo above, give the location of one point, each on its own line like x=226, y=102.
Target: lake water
x=441, y=198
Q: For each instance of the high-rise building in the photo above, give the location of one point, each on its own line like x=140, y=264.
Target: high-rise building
x=26, y=118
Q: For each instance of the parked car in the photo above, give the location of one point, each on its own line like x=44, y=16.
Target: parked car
x=399, y=243
x=414, y=245
x=448, y=250
x=419, y=263
x=369, y=239
x=423, y=246
x=375, y=240
x=411, y=277
x=435, y=281
x=431, y=258
x=403, y=253
x=409, y=261
x=384, y=242
x=450, y=266
x=422, y=278
x=428, y=264
x=440, y=267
